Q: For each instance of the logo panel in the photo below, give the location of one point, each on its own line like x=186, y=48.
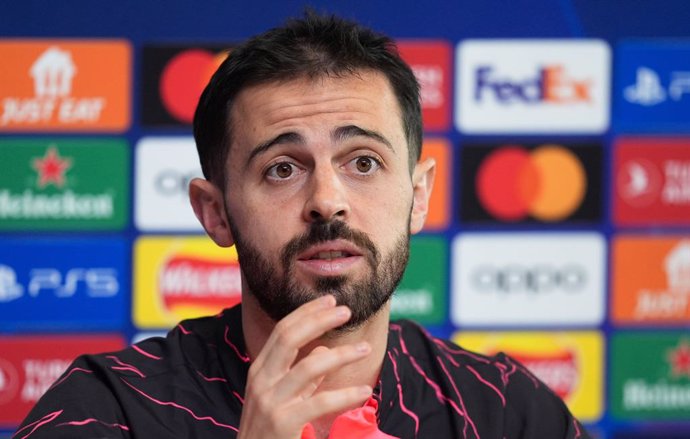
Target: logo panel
x=30, y=365
x=430, y=61
x=505, y=279
x=651, y=280
x=532, y=86
x=165, y=166
x=650, y=375
x=65, y=184
x=546, y=183
x=438, y=217
x=421, y=295
x=173, y=79
x=63, y=284
x=177, y=278
x=570, y=363
x=652, y=181
x=65, y=85
x=652, y=91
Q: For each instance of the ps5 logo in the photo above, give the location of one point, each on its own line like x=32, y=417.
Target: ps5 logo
x=9, y=288
x=101, y=282
x=648, y=89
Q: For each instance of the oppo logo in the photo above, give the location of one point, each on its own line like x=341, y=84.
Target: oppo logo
x=530, y=279
x=172, y=183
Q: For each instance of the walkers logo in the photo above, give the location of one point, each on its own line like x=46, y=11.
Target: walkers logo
x=173, y=79
x=570, y=363
x=65, y=85
x=652, y=181
x=651, y=279
x=42, y=289
x=438, y=216
x=527, y=184
x=182, y=277
x=518, y=86
x=63, y=184
x=421, y=295
x=650, y=375
x=653, y=86
x=165, y=166
x=30, y=365
x=528, y=279
x=430, y=62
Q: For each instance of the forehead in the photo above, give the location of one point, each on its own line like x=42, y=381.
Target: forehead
x=362, y=98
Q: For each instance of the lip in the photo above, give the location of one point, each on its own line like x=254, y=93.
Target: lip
x=330, y=267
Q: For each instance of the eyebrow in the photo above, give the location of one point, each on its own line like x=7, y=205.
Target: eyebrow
x=340, y=134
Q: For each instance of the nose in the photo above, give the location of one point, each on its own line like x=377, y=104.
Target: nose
x=326, y=197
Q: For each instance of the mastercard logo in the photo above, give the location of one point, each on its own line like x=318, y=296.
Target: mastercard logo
x=184, y=78
x=547, y=183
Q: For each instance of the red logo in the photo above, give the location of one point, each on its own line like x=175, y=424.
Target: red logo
x=558, y=370
x=652, y=181
x=679, y=359
x=430, y=62
x=51, y=168
x=29, y=365
x=192, y=282
x=183, y=80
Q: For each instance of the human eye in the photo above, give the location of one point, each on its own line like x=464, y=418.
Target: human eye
x=282, y=171
x=365, y=164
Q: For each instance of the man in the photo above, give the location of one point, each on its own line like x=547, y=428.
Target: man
x=309, y=137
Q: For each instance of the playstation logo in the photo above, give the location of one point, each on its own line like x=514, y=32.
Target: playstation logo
x=647, y=89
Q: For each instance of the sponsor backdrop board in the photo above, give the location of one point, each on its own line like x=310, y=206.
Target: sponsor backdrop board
x=570, y=363
x=528, y=279
x=65, y=85
x=62, y=284
x=558, y=226
x=29, y=365
x=64, y=184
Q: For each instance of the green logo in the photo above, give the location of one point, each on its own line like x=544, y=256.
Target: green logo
x=63, y=184
x=421, y=295
x=650, y=375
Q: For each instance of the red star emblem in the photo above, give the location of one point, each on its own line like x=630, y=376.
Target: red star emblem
x=679, y=359
x=51, y=168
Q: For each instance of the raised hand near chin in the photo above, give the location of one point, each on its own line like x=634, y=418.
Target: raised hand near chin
x=280, y=397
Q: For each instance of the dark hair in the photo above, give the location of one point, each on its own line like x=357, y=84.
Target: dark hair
x=313, y=46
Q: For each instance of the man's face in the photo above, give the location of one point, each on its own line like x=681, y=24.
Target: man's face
x=319, y=192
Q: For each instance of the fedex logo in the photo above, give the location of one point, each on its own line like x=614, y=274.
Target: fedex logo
x=548, y=84
x=532, y=86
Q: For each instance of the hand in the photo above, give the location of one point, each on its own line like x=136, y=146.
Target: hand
x=280, y=396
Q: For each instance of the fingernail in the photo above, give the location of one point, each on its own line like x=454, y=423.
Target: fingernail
x=342, y=312
x=328, y=300
x=364, y=390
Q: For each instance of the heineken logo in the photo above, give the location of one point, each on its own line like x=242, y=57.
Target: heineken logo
x=651, y=375
x=77, y=184
x=51, y=168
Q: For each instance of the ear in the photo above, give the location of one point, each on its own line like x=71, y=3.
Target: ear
x=423, y=182
x=209, y=208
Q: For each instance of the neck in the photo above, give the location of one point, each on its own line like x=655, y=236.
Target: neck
x=257, y=327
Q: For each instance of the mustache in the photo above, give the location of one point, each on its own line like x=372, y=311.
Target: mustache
x=323, y=231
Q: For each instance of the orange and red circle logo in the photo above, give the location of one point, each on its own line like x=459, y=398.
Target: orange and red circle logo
x=547, y=183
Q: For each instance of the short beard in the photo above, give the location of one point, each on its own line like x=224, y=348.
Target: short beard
x=279, y=295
